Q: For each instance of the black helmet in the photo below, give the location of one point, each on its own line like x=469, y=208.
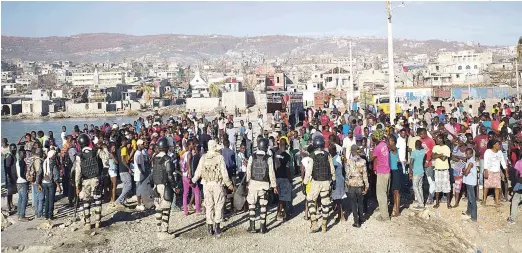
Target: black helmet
x=318, y=142
x=262, y=144
x=12, y=147
x=84, y=140
x=162, y=144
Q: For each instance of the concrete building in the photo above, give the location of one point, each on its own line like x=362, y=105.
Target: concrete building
x=85, y=108
x=8, y=76
x=40, y=107
x=199, y=87
x=23, y=81
x=336, y=78
x=97, y=78
x=12, y=109
x=8, y=88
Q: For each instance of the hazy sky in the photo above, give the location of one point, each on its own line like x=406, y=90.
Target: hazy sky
x=489, y=23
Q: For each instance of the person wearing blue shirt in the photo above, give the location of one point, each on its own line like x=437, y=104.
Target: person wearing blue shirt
x=417, y=173
x=396, y=174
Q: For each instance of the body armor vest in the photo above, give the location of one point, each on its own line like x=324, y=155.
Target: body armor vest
x=321, y=169
x=90, y=165
x=260, y=168
x=211, y=171
x=159, y=171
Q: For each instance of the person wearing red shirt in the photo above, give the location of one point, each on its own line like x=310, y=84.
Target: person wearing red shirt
x=507, y=110
x=427, y=145
x=481, y=145
x=326, y=134
x=324, y=119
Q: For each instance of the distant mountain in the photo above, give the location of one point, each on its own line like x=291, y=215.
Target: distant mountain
x=190, y=48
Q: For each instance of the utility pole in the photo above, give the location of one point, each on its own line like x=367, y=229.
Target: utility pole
x=350, y=89
x=517, y=78
x=391, y=73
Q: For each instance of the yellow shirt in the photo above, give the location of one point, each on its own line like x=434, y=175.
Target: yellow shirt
x=439, y=163
x=134, y=145
x=124, y=154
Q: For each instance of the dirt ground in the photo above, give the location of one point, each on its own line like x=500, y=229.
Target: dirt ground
x=432, y=230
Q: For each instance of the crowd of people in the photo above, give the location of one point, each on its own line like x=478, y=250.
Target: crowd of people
x=432, y=153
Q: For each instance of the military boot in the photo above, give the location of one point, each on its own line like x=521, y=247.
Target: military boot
x=218, y=230
x=323, y=226
x=263, y=227
x=252, y=227
x=210, y=229
x=314, y=228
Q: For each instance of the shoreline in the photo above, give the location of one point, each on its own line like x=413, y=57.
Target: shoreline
x=61, y=115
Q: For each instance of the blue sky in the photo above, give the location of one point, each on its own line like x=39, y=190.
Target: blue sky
x=489, y=23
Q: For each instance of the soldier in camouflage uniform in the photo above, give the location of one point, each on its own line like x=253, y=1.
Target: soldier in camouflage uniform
x=260, y=177
x=164, y=178
x=88, y=169
x=321, y=172
x=211, y=169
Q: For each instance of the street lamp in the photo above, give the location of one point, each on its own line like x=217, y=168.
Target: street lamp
x=391, y=74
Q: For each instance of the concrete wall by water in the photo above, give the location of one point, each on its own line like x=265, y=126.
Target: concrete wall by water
x=202, y=104
x=231, y=100
x=86, y=108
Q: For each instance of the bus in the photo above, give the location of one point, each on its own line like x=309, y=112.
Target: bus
x=383, y=102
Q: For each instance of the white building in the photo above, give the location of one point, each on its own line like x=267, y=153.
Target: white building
x=8, y=88
x=37, y=95
x=460, y=68
x=101, y=78
x=23, y=81
x=8, y=76
x=199, y=86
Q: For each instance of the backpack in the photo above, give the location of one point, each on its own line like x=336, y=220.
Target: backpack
x=30, y=174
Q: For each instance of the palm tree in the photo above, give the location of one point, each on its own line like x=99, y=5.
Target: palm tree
x=214, y=90
x=519, y=49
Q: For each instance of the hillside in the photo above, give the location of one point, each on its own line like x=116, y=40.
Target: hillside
x=188, y=48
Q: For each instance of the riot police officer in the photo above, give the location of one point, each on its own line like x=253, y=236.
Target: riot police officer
x=321, y=172
x=164, y=178
x=88, y=169
x=260, y=177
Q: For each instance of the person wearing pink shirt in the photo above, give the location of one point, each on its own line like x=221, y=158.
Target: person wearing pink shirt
x=381, y=158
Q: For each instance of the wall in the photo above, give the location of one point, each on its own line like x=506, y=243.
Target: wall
x=202, y=104
x=231, y=100
x=86, y=108
x=38, y=107
x=483, y=92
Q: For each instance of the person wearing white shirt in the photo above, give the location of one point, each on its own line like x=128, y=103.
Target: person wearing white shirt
x=348, y=142
x=260, y=123
x=402, y=147
x=249, y=132
x=493, y=158
x=22, y=186
x=63, y=135
x=139, y=172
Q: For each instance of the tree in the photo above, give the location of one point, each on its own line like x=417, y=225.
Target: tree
x=214, y=90
x=519, y=50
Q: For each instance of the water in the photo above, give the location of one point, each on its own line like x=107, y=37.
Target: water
x=14, y=129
